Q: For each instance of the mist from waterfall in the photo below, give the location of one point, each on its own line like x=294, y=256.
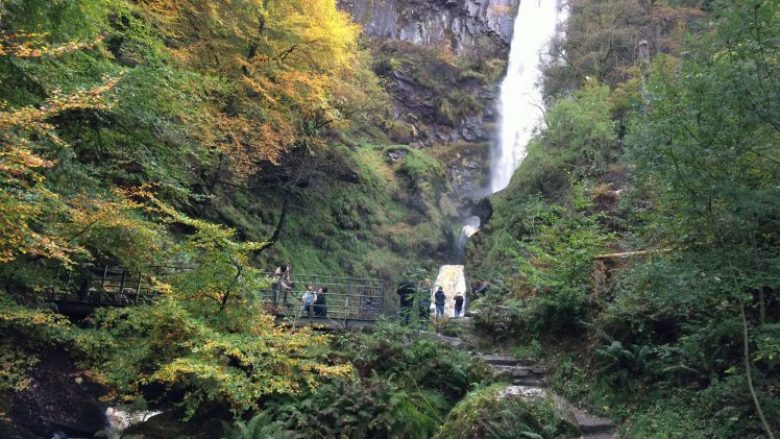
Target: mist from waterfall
x=521, y=105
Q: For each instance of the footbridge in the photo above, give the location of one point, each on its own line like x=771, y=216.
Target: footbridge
x=350, y=302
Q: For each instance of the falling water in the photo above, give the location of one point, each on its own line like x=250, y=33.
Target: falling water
x=521, y=105
x=469, y=228
x=521, y=109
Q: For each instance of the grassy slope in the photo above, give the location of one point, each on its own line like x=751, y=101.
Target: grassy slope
x=385, y=217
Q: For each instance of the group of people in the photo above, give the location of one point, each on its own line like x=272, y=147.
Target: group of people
x=408, y=292
x=314, y=302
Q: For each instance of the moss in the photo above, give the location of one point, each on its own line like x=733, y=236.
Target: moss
x=419, y=165
x=390, y=216
x=487, y=414
x=446, y=83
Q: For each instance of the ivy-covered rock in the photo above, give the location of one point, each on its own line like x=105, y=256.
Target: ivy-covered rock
x=501, y=411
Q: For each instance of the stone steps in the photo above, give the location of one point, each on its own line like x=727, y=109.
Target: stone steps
x=519, y=370
x=526, y=375
x=501, y=360
x=598, y=436
x=530, y=382
x=528, y=378
x=593, y=425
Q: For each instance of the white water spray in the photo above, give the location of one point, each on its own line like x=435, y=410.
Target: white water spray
x=521, y=105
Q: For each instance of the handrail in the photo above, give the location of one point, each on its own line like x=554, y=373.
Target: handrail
x=349, y=298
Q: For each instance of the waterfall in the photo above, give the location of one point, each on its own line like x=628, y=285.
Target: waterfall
x=469, y=228
x=521, y=109
x=521, y=105
x=452, y=280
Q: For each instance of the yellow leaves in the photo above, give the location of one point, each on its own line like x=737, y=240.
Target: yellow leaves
x=338, y=371
x=31, y=46
x=32, y=118
x=323, y=37
x=285, y=60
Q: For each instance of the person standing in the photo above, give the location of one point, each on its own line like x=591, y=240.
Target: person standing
x=281, y=283
x=320, y=304
x=406, y=291
x=458, y=305
x=424, y=304
x=439, y=299
x=307, y=299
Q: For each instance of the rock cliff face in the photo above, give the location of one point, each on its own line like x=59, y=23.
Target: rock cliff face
x=461, y=25
x=442, y=60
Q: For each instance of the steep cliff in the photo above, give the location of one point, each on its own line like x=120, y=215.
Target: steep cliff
x=442, y=61
x=462, y=25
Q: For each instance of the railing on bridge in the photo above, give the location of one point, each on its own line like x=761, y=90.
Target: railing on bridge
x=105, y=286
x=349, y=299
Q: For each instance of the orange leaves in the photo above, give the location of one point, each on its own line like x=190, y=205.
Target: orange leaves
x=21, y=162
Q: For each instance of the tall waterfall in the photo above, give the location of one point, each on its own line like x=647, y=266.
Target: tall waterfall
x=521, y=105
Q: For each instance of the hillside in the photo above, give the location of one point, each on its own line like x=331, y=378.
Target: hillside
x=630, y=268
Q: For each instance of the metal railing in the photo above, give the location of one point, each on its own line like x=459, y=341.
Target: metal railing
x=348, y=298
x=106, y=286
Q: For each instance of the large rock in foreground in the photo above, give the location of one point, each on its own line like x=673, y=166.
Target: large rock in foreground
x=502, y=411
x=58, y=399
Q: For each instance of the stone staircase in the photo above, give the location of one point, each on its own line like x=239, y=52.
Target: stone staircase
x=528, y=378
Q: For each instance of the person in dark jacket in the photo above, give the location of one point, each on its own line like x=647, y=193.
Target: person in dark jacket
x=459, y=305
x=439, y=299
x=320, y=303
x=406, y=291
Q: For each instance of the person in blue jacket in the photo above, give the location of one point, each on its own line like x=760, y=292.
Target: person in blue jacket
x=439, y=299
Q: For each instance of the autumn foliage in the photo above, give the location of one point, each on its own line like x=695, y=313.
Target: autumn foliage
x=117, y=119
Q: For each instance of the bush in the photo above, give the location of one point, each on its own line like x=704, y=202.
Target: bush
x=403, y=387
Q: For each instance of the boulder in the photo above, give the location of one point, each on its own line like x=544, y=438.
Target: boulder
x=58, y=400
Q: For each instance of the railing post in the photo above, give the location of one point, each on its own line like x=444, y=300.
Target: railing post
x=138, y=289
x=382, y=297
x=346, y=302
x=122, y=283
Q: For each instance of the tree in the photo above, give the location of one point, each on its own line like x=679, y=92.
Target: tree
x=710, y=148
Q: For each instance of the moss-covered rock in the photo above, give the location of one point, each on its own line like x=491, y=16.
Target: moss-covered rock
x=499, y=411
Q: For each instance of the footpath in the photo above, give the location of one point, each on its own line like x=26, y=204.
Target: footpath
x=530, y=379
